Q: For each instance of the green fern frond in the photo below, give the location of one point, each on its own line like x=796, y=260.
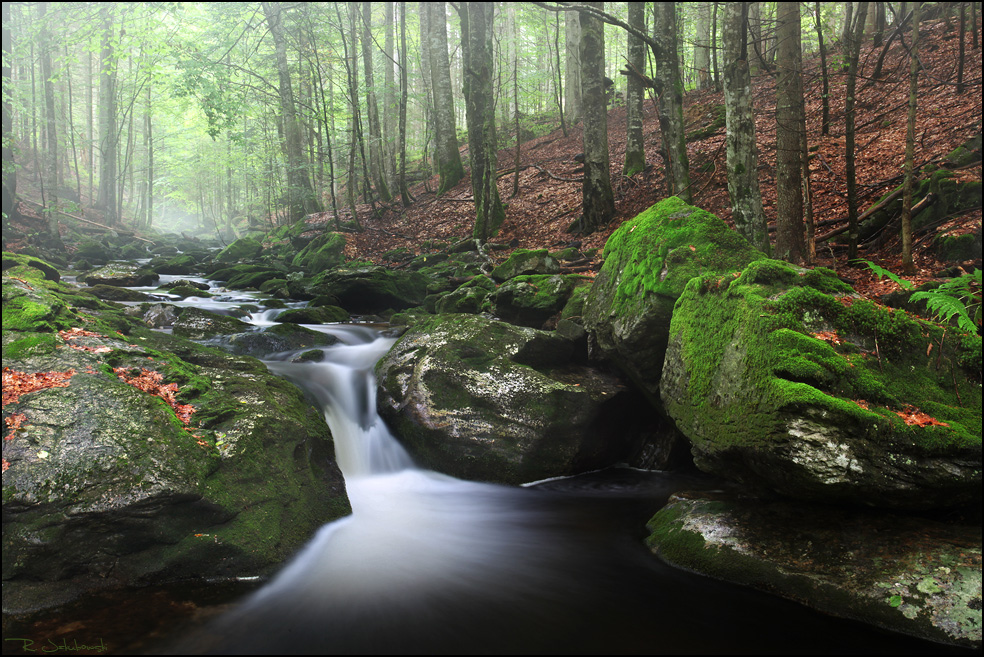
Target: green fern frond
x=881, y=272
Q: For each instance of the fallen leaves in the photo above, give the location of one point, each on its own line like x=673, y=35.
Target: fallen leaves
x=150, y=381
x=828, y=336
x=912, y=416
x=75, y=333
x=17, y=383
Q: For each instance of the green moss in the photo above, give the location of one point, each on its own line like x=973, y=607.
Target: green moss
x=25, y=345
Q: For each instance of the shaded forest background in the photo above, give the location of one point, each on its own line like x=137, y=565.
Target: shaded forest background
x=218, y=119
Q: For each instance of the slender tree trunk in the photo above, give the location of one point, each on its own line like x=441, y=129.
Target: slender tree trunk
x=301, y=197
x=824, y=78
x=714, y=48
x=598, y=199
x=476, y=29
x=960, y=59
x=375, y=130
x=50, y=130
x=853, y=56
x=149, y=136
x=790, y=127
x=515, y=62
x=449, y=164
x=669, y=87
x=405, y=198
x=9, y=171
x=108, y=138
x=741, y=154
x=572, y=71
x=635, y=151
x=908, y=265
x=90, y=127
x=71, y=133
x=560, y=88
x=390, y=105
x=702, y=50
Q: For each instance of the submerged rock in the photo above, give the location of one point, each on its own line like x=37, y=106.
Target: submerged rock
x=780, y=377
x=905, y=574
x=481, y=399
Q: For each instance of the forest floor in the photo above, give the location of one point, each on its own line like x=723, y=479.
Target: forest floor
x=545, y=207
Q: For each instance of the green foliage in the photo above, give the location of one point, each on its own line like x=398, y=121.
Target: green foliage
x=959, y=298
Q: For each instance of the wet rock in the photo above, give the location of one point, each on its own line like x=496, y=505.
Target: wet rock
x=532, y=300
x=648, y=261
x=525, y=261
x=905, y=574
x=482, y=399
x=120, y=274
x=780, y=378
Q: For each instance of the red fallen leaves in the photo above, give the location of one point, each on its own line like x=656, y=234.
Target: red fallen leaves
x=76, y=332
x=17, y=383
x=913, y=416
x=150, y=382
x=828, y=336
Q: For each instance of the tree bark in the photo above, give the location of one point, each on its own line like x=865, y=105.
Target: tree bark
x=669, y=87
x=824, y=78
x=635, y=152
x=300, y=194
x=598, y=200
x=853, y=56
x=702, y=47
x=390, y=104
x=908, y=265
x=572, y=67
x=476, y=24
x=108, y=137
x=741, y=154
x=790, y=127
x=450, y=168
x=375, y=131
x=9, y=170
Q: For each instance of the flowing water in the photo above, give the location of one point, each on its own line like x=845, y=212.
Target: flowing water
x=429, y=564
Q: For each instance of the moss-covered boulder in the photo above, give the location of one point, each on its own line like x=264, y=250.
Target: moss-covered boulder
x=198, y=324
x=245, y=248
x=782, y=377
x=322, y=253
x=532, y=300
x=472, y=296
x=275, y=339
x=133, y=456
x=648, y=261
x=115, y=293
x=11, y=260
x=180, y=265
x=482, y=399
x=906, y=574
x=369, y=289
x=120, y=274
x=315, y=315
x=525, y=261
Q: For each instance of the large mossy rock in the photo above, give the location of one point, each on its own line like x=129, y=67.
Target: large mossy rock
x=902, y=573
x=197, y=324
x=120, y=274
x=782, y=377
x=321, y=253
x=482, y=399
x=648, y=261
x=531, y=300
x=245, y=248
x=525, y=261
x=133, y=456
x=370, y=289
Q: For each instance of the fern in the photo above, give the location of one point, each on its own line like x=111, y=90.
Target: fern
x=958, y=298
x=881, y=272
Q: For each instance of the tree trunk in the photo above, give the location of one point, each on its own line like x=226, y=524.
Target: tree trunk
x=476, y=24
x=572, y=66
x=853, y=55
x=301, y=197
x=449, y=164
x=790, y=127
x=635, y=152
x=702, y=47
x=390, y=105
x=598, y=200
x=375, y=131
x=108, y=138
x=908, y=266
x=9, y=171
x=742, y=155
x=405, y=197
x=824, y=78
x=669, y=87
x=50, y=129
x=559, y=84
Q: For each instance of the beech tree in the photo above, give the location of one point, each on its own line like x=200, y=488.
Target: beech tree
x=908, y=266
x=476, y=41
x=375, y=129
x=597, y=198
x=741, y=153
x=790, y=131
x=572, y=67
x=449, y=165
x=669, y=88
x=635, y=152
